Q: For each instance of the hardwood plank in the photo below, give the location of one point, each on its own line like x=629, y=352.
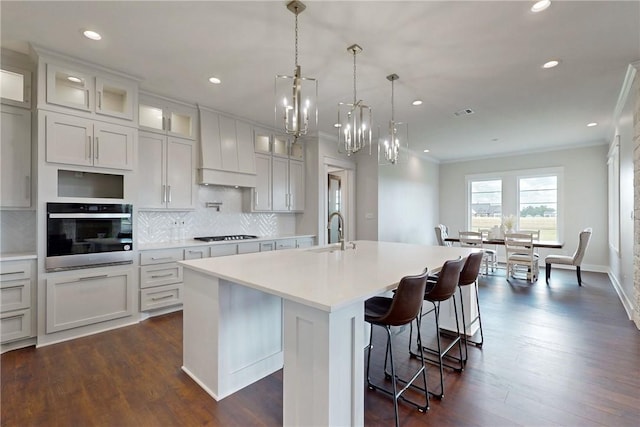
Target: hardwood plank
x=556, y=355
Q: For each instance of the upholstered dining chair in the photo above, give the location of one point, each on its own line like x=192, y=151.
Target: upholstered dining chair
x=442, y=232
x=575, y=259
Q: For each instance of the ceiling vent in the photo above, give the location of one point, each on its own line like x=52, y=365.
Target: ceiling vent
x=464, y=112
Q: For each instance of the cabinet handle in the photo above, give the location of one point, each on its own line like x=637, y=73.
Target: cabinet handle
x=163, y=120
x=169, y=191
x=17, y=316
x=196, y=252
x=101, y=276
x=12, y=272
x=27, y=193
x=158, y=276
x=169, y=124
x=160, y=258
x=164, y=194
x=161, y=298
x=99, y=100
x=87, y=102
x=257, y=198
x=97, y=147
x=89, y=144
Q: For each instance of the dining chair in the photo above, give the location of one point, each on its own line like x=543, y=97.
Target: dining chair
x=575, y=259
x=442, y=232
x=520, y=253
x=469, y=276
x=475, y=239
x=535, y=234
x=403, y=308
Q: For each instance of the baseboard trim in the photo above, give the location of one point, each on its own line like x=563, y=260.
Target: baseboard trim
x=624, y=299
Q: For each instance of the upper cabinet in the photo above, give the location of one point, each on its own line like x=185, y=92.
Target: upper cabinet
x=158, y=114
x=15, y=86
x=15, y=158
x=86, y=90
x=227, y=156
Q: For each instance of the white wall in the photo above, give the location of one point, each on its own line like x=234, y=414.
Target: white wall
x=408, y=201
x=585, y=194
x=367, y=198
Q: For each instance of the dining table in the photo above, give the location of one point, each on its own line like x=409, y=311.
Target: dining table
x=549, y=244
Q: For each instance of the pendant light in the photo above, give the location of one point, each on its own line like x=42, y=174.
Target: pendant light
x=295, y=106
x=354, y=119
x=394, y=146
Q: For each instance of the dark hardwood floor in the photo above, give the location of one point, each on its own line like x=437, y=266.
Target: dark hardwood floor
x=557, y=355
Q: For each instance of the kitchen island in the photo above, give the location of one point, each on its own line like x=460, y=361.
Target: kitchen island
x=249, y=315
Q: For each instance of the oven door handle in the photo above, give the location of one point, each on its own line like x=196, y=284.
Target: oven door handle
x=89, y=215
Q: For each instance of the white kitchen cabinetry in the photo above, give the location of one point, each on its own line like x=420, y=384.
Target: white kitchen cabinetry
x=16, y=300
x=80, y=299
x=76, y=88
x=305, y=242
x=169, y=117
x=166, y=168
x=15, y=86
x=248, y=247
x=227, y=156
x=223, y=250
x=288, y=185
x=261, y=200
x=15, y=158
x=160, y=278
x=79, y=141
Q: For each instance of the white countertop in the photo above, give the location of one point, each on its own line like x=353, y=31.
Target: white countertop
x=17, y=256
x=192, y=243
x=328, y=280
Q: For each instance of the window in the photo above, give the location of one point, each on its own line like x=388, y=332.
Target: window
x=486, y=204
x=538, y=205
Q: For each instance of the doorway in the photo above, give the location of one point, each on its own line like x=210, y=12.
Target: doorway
x=334, y=198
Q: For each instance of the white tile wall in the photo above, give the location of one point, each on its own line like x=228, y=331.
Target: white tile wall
x=160, y=226
x=18, y=231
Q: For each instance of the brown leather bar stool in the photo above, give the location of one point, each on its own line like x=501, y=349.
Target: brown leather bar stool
x=442, y=289
x=403, y=308
x=469, y=276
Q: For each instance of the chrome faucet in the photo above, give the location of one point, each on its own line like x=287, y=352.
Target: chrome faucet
x=340, y=227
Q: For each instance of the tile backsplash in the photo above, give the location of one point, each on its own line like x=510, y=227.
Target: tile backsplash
x=163, y=226
x=18, y=231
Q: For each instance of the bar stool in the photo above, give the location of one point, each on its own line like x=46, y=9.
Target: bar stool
x=403, y=308
x=442, y=289
x=469, y=276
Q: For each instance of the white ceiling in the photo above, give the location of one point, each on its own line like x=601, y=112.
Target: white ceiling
x=482, y=55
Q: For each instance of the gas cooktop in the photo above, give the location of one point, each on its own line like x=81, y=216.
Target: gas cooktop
x=229, y=237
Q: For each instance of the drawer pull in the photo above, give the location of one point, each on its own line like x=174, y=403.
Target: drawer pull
x=15, y=316
x=160, y=258
x=157, y=276
x=161, y=298
x=12, y=272
x=102, y=276
x=196, y=252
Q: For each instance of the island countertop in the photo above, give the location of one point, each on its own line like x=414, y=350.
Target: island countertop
x=328, y=280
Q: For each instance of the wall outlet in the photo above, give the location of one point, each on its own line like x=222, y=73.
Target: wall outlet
x=368, y=216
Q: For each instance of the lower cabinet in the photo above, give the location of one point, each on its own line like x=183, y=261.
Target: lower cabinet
x=17, y=306
x=161, y=278
x=80, y=299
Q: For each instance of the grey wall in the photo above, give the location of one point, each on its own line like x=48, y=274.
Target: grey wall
x=408, y=201
x=585, y=194
x=367, y=198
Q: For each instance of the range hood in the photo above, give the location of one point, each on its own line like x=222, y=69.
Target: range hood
x=227, y=155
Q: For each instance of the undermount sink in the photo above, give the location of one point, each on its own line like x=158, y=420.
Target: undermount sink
x=322, y=249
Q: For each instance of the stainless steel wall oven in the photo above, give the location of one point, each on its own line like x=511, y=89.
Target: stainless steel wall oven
x=82, y=235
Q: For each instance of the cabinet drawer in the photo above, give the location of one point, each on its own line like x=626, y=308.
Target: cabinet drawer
x=160, y=256
x=160, y=296
x=223, y=250
x=161, y=274
x=305, y=242
x=196, y=253
x=247, y=248
x=15, y=325
x=285, y=244
x=15, y=294
x=15, y=270
x=267, y=246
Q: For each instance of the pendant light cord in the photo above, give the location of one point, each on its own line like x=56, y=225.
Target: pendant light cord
x=354, y=78
x=296, y=57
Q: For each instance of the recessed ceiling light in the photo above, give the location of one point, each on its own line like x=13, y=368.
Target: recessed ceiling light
x=215, y=80
x=551, y=64
x=417, y=102
x=425, y=151
x=541, y=5
x=92, y=35
x=592, y=124
x=74, y=79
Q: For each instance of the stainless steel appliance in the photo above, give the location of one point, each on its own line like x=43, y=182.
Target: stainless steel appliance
x=229, y=237
x=82, y=235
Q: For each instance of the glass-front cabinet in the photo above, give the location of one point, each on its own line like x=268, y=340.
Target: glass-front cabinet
x=15, y=86
x=160, y=115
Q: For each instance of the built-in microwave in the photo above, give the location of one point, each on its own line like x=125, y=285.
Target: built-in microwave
x=82, y=235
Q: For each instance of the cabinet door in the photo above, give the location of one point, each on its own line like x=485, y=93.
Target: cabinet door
x=223, y=250
x=246, y=153
x=151, y=170
x=197, y=252
x=69, y=88
x=181, y=120
x=114, y=99
x=113, y=146
x=15, y=86
x=69, y=139
x=150, y=115
x=180, y=173
x=262, y=192
x=210, y=140
x=262, y=140
x=296, y=185
x=280, y=176
x=228, y=144
x=15, y=158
